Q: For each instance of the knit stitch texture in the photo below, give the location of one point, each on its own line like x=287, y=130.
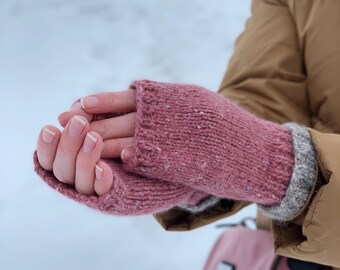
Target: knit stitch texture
x=303, y=177
x=186, y=134
x=130, y=194
x=301, y=184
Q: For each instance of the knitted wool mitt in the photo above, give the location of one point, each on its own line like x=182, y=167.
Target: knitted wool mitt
x=130, y=194
x=186, y=134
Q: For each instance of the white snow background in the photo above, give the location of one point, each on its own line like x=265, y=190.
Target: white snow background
x=54, y=51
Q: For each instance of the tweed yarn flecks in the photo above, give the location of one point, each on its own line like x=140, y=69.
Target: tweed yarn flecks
x=301, y=184
x=186, y=134
x=130, y=194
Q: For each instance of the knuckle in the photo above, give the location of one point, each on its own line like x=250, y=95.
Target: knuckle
x=64, y=150
x=82, y=164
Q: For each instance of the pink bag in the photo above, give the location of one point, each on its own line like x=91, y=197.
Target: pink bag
x=241, y=248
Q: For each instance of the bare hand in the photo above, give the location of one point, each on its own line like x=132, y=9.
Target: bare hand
x=74, y=154
x=116, y=132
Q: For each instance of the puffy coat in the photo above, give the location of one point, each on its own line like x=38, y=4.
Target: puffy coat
x=286, y=68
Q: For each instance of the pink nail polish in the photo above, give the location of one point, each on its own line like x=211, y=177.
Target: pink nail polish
x=77, y=126
x=89, y=102
x=47, y=136
x=99, y=173
x=89, y=143
x=126, y=153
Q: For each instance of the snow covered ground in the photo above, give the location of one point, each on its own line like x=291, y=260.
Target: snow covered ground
x=52, y=52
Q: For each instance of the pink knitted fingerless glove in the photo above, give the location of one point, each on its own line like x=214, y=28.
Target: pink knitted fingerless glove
x=186, y=134
x=130, y=194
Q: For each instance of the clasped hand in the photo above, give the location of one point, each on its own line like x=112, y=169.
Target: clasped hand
x=74, y=154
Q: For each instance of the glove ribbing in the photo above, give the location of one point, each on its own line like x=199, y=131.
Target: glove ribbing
x=130, y=194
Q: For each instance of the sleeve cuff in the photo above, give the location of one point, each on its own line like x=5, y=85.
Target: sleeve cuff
x=303, y=177
x=202, y=206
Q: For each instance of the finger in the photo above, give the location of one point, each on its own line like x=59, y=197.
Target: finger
x=104, y=178
x=113, y=147
x=87, y=158
x=115, y=127
x=110, y=102
x=76, y=109
x=126, y=154
x=71, y=140
x=47, y=146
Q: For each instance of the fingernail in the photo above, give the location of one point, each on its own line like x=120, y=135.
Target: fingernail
x=99, y=173
x=47, y=135
x=89, y=102
x=77, y=126
x=126, y=153
x=89, y=143
x=76, y=106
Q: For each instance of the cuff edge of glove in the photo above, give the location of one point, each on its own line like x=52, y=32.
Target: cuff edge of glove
x=303, y=177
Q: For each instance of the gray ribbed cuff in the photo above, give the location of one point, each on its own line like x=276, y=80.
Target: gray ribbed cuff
x=207, y=203
x=303, y=176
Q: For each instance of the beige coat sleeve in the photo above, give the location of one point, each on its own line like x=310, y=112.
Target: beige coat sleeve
x=266, y=72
